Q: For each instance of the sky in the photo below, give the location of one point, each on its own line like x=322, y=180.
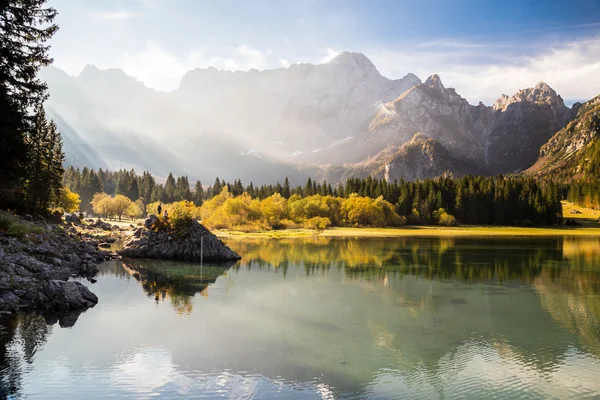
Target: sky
x=481, y=48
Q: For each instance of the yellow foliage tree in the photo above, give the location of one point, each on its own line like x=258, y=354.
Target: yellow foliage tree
x=273, y=209
x=135, y=209
x=68, y=201
x=102, y=205
x=120, y=205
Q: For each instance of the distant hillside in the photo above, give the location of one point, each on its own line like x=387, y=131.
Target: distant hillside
x=574, y=151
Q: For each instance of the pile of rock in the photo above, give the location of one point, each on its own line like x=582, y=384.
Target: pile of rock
x=34, y=271
x=102, y=225
x=196, y=244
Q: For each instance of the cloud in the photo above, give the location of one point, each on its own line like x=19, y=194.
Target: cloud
x=484, y=73
x=114, y=15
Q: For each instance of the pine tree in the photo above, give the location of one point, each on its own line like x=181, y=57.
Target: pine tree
x=198, y=193
x=44, y=170
x=170, y=189
x=24, y=29
x=285, y=191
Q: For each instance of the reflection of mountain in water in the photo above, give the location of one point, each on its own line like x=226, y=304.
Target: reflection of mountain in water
x=176, y=280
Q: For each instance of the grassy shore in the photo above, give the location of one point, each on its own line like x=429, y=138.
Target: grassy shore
x=417, y=231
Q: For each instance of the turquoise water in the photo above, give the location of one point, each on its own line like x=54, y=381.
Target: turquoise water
x=327, y=319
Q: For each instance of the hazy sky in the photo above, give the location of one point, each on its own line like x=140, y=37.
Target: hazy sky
x=482, y=48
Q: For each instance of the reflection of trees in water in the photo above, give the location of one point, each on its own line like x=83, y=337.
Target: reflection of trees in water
x=467, y=260
x=177, y=281
x=21, y=337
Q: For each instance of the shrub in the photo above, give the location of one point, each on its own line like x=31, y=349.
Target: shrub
x=16, y=227
x=160, y=225
x=319, y=223
x=181, y=224
x=441, y=217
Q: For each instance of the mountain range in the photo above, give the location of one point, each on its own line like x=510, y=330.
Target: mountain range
x=328, y=121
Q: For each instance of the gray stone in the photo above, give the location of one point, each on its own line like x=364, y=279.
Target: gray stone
x=150, y=221
x=9, y=301
x=184, y=246
x=72, y=218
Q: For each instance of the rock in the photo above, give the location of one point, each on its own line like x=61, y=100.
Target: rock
x=185, y=246
x=28, y=217
x=72, y=218
x=102, y=225
x=104, y=245
x=9, y=301
x=34, y=273
x=150, y=221
x=69, y=295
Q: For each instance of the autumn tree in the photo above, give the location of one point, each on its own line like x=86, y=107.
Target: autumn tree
x=120, y=205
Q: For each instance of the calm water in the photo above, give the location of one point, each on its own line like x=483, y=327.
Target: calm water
x=318, y=318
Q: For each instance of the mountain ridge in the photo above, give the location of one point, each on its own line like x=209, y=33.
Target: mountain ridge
x=293, y=120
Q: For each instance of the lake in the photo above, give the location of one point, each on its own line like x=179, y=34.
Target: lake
x=326, y=318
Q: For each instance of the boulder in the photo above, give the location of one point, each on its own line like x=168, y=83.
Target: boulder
x=195, y=244
x=72, y=218
x=102, y=225
x=150, y=221
x=68, y=295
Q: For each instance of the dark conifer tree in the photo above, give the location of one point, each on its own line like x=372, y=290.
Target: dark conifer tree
x=25, y=27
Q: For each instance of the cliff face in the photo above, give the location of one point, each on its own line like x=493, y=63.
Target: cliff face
x=420, y=158
x=503, y=138
x=521, y=124
x=438, y=112
x=574, y=151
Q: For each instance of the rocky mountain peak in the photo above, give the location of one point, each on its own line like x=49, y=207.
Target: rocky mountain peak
x=540, y=94
x=435, y=82
x=354, y=61
x=89, y=69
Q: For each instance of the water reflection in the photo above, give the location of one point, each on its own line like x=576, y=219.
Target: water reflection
x=330, y=318
x=21, y=337
x=177, y=281
x=467, y=260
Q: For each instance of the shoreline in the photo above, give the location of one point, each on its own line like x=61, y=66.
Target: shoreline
x=417, y=231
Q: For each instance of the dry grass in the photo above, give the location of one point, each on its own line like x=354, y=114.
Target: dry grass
x=587, y=214
x=419, y=231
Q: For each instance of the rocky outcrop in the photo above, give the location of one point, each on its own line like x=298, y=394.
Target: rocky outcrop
x=421, y=158
x=193, y=243
x=34, y=270
x=573, y=151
